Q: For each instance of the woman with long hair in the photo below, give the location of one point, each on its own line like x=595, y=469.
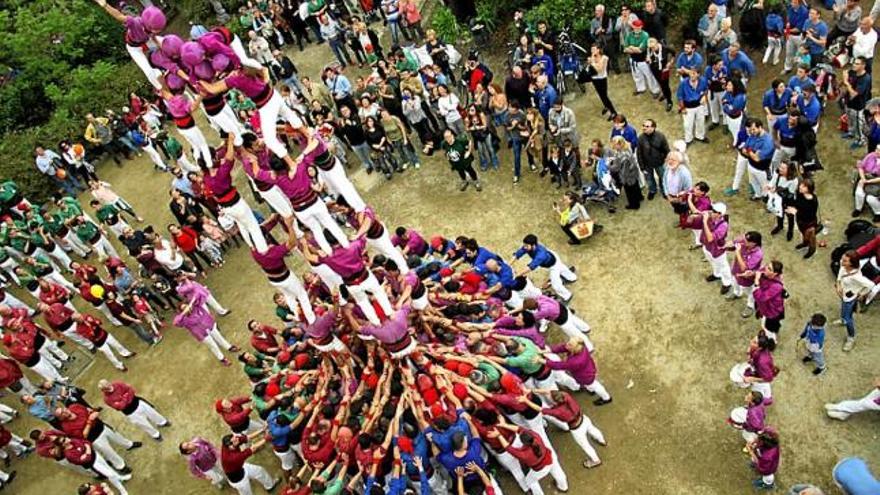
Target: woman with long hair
x=784, y=184
x=805, y=209
x=380, y=148
x=733, y=103
x=477, y=124
x=623, y=162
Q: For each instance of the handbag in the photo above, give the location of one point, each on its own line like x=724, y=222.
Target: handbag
x=582, y=229
x=774, y=204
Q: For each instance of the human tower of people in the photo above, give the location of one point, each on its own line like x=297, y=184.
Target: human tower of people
x=404, y=363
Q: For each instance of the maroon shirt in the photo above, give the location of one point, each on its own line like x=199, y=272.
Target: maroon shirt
x=272, y=260
x=347, y=262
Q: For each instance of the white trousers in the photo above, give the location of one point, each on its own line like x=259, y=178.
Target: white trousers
x=45, y=369
x=575, y=327
x=330, y=278
x=733, y=125
x=140, y=58
x=59, y=279
x=792, y=44
x=238, y=49
x=215, y=474
x=599, y=389
x=844, y=409
x=512, y=465
x=278, y=201
x=739, y=290
x=226, y=121
x=720, y=267
x=340, y=185
x=109, y=314
x=694, y=120
x=215, y=340
x=118, y=228
x=384, y=247
x=109, y=346
x=200, y=148
x=269, y=114
x=643, y=77
x=295, y=295
x=104, y=445
x=861, y=197
x=146, y=417
x=76, y=245
x=116, y=479
x=582, y=435
x=53, y=353
x=559, y=273
x=104, y=248
x=288, y=457
x=783, y=153
x=243, y=216
x=255, y=472
x=14, y=302
x=360, y=294
x=758, y=180
x=8, y=268
x=534, y=478
x=741, y=165
x=155, y=157
x=60, y=257
x=715, y=107
x=317, y=218
x=15, y=445
x=774, y=48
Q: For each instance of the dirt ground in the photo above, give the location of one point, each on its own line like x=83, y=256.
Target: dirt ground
x=665, y=338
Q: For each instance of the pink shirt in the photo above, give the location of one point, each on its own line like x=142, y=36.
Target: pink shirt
x=135, y=33
x=251, y=86
x=349, y=261
x=198, y=322
x=322, y=326
x=870, y=164
x=548, y=308
x=219, y=180
x=752, y=258
x=719, y=233
x=215, y=43
x=580, y=366
x=415, y=242
x=393, y=330
x=298, y=188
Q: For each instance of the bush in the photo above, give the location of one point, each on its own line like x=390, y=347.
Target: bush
x=446, y=25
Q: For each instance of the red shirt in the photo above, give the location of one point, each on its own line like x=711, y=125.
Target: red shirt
x=527, y=456
x=91, y=329
x=187, y=240
x=46, y=446
x=237, y=416
x=75, y=452
x=10, y=372
x=120, y=397
x=75, y=427
x=494, y=443
x=20, y=346
x=568, y=411
x=323, y=454
x=5, y=436
x=264, y=339
x=84, y=271
x=233, y=460
x=54, y=294
x=58, y=316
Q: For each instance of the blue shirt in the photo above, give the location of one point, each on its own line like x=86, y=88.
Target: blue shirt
x=473, y=454
x=719, y=77
x=762, y=145
x=443, y=439
x=741, y=137
x=820, y=31
x=811, y=110
x=547, y=65
x=183, y=185
x=741, y=62
x=785, y=132
x=629, y=133
x=197, y=30
x=778, y=105
x=42, y=408
x=479, y=261
x=694, y=62
x=544, y=99
x=446, y=246
x=795, y=83
x=279, y=433
x=774, y=24
x=504, y=276
x=854, y=475
x=797, y=16
x=340, y=86
x=688, y=94
x=733, y=104
x=540, y=255
x=814, y=335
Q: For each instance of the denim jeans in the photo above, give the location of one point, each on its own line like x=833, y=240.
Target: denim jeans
x=126, y=140
x=339, y=50
x=653, y=186
x=293, y=83
x=70, y=184
x=517, y=156
x=818, y=358
x=394, y=27
x=847, y=308
x=362, y=151
x=487, y=153
x=406, y=153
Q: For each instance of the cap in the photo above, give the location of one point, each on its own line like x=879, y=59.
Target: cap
x=638, y=23
x=436, y=242
x=719, y=208
x=171, y=45
x=460, y=391
x=154, y=19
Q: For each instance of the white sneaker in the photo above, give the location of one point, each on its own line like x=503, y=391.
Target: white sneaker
x=849, y=344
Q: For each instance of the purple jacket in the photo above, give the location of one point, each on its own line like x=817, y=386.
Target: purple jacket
x=548, y=308
x=322, y=326
x=752, y=258
x=768, y=460
x=755, y=418
x=506, y=325
x=719, y=233
x=203, y=459
x=768, y=298
x=198, y=322
x=580, y=366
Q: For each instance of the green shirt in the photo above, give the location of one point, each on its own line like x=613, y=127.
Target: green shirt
x=8, y=190
x=409, y=63
x=315, y=6
x=392, y=131
x=86, y=231
x=70, y=207
x=255, y=370
x=4, y=254
x=16, y=235
x=285, y=314
x=55, y=222
x=455, y=153
x=246, y=21
x=108, y=214
x=638, y=40
x=173, y=147
x=525, y=359
x=42, y=267
x=491, y=372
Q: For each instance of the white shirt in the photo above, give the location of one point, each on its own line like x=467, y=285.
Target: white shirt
x=304, y=10
x=168, y=256
x=448, y=106
x=853, y=284
x=44, y=162
x=864, y=43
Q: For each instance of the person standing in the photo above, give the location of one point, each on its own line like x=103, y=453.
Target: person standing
x=541, y=257
x=863, y=42
x=714, y=241
x=196, y=319
x=856, y=90
x=635, y=44
x=598, y=62
x=733, y=104
x=652, y=151
x=815, y=37
x=758, y=150
x=813, y=337
x=747, y=259
x=851, y=285
x=796, y=15
x=769, y=294
x=805, y=209
x=234, y=454
x=82, y=422
x=271, y=261
x=122, y=397
x=693, y=99
x=50, y=164
x=203, y=460
x=460, y=153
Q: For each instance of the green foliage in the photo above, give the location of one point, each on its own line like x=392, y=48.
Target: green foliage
x=446, y=25
x=487, y=13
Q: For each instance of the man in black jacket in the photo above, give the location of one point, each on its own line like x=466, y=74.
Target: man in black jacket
x=652, y=152
x=655, y=21
x=285, y=72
